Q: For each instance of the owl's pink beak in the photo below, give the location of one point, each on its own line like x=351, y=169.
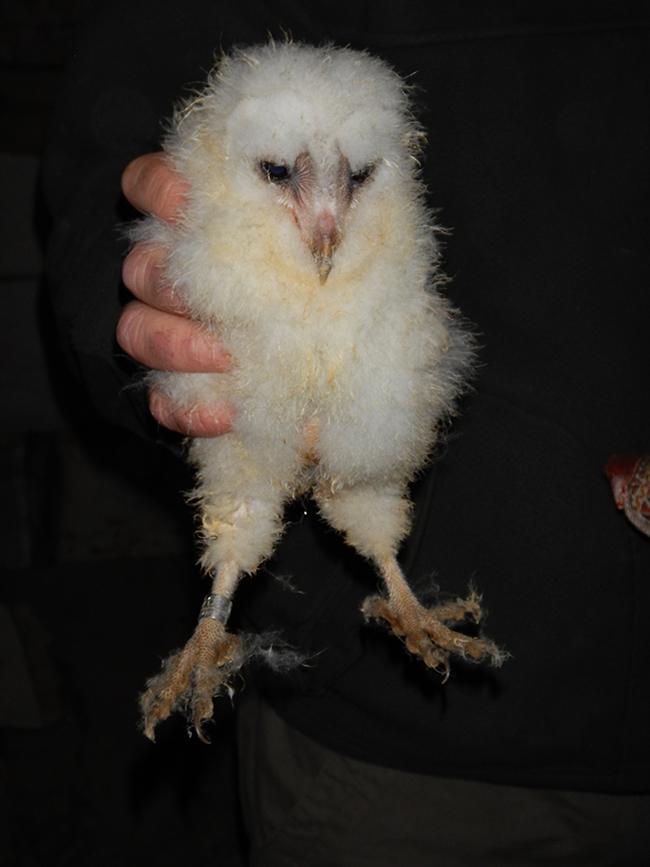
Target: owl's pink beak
x=325, y=237
x=321, y=199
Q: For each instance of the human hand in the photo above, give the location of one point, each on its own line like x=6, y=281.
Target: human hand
x=154, y=328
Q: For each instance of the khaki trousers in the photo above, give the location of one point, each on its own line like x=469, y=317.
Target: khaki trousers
x=306, y=806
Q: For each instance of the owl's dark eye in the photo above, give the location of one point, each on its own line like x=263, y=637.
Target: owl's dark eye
x=274, y=172
x=360, y=177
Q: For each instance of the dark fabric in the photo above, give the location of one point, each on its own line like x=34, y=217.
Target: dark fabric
x=308, y=805
x=538, y=143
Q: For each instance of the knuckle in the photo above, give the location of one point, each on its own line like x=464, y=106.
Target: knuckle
x=167, y=341
x=132, y=269
x=144, y=181
x=141, y=273
x=172, y=417
x=159, y=407
x=167, y=193
x=197, y=346
x=133, y=174
x=163, y=295
x=161, y=189
x=198, y=420
x=128, y=327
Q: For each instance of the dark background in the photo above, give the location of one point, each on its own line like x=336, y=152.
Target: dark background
x=93, y=525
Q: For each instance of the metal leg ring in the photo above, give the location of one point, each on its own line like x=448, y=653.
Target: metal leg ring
x=217, y=607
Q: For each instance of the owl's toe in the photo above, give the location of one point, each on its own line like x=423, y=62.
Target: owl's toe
x=192, y=677
x=426, y=634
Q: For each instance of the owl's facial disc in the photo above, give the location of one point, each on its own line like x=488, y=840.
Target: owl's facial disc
x=319, y=197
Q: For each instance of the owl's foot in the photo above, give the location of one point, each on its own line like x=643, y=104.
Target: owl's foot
x=192, y=677
x=426, y=633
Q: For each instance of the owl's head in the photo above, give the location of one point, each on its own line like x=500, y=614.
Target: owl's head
x=308, y=133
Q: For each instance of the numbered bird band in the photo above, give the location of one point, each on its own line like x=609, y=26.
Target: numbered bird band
x=217, y=607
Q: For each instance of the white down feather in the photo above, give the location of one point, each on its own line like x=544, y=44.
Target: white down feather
x=374, y=357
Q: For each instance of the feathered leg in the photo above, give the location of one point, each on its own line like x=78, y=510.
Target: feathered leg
x=375, y=521
x=428, y=632
x=239, y=531
x=193, y=676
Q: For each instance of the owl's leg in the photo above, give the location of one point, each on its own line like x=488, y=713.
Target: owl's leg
x=428, y=632
x=375, y=521
x=193, y=676
x=241, y=503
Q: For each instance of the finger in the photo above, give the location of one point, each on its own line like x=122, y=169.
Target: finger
x=165, y=341
x=153, y=187
x=143, y=273
x=202, y=420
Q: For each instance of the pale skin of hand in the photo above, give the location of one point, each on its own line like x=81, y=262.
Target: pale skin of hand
x=154, y=329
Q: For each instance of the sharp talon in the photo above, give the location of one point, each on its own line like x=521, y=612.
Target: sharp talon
x=191, y=678
x=201, y=735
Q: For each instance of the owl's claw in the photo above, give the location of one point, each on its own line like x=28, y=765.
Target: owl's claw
x=426, y=634
x=459, y=610
x=192, y=677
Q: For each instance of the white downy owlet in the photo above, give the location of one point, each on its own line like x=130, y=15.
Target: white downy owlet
x=306, y=246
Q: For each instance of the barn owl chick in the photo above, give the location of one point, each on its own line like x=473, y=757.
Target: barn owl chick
x=307, y=248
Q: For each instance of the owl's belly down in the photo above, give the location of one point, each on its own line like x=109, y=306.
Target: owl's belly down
x=348, y=409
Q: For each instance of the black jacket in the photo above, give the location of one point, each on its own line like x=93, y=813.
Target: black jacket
x=538, y=158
